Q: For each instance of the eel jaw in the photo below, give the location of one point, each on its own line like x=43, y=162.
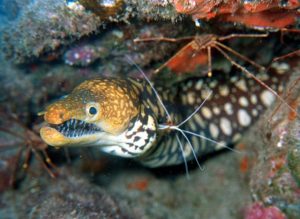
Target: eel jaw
x=71, y=132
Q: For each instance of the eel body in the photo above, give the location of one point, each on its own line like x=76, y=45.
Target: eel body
x=123, y=117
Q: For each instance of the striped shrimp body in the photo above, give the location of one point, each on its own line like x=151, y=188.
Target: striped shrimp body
x=123, y=117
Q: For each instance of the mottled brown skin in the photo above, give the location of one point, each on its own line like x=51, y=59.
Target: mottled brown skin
x=116, y=104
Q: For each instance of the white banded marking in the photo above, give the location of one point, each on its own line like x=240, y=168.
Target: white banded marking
x=216, y=110
x=244, y=118
x=206, y=112
x=243, y=101
x=228, y=108
x=199, y=84
x=187, y=150
x=199, y=120
x=224, y=90
x=226, y=126
x=241, y=84
x=267, y=98
x=236, y=137
x=281, y=68
x=205, y=93
x=253, y=99
x=254, y=112
x=214, y=130
x=213, y=84
x=191, y=98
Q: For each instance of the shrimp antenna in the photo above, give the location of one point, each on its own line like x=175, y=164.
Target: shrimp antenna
x=176, y=127
x=151, y=85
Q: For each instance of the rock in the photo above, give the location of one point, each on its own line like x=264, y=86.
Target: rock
x=65, y=197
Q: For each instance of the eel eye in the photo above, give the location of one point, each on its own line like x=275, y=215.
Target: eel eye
x=93, y=110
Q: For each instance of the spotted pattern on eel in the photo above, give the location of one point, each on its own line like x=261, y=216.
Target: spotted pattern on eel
x=122, y=116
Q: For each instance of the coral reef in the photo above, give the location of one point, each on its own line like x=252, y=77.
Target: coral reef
x=119, y=190
x=68, y=196
x=43, y=27
x=104, y=9
x=46, y=26
x=50, y=46
x=11, y=77
x=273, y=157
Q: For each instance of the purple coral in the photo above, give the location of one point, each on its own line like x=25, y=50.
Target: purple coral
x=258, y=211
x=82, y=55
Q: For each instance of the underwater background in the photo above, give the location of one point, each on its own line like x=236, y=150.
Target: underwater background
x=48, y=47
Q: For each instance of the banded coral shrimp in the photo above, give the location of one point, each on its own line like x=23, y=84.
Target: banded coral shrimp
x=198, y=51
x=194, y=50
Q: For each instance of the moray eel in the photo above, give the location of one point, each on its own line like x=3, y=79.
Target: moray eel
x=123, y=116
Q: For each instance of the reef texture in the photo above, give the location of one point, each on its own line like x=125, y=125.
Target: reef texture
x=67, y=197
x=43, y=27
x=50, y=46
x=121, y=191
x=272, y=158
x=46, y=26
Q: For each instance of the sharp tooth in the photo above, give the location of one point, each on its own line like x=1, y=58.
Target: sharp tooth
x=75, y=124
x=81, y=132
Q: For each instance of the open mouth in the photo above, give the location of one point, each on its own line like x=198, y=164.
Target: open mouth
x=76, y=128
